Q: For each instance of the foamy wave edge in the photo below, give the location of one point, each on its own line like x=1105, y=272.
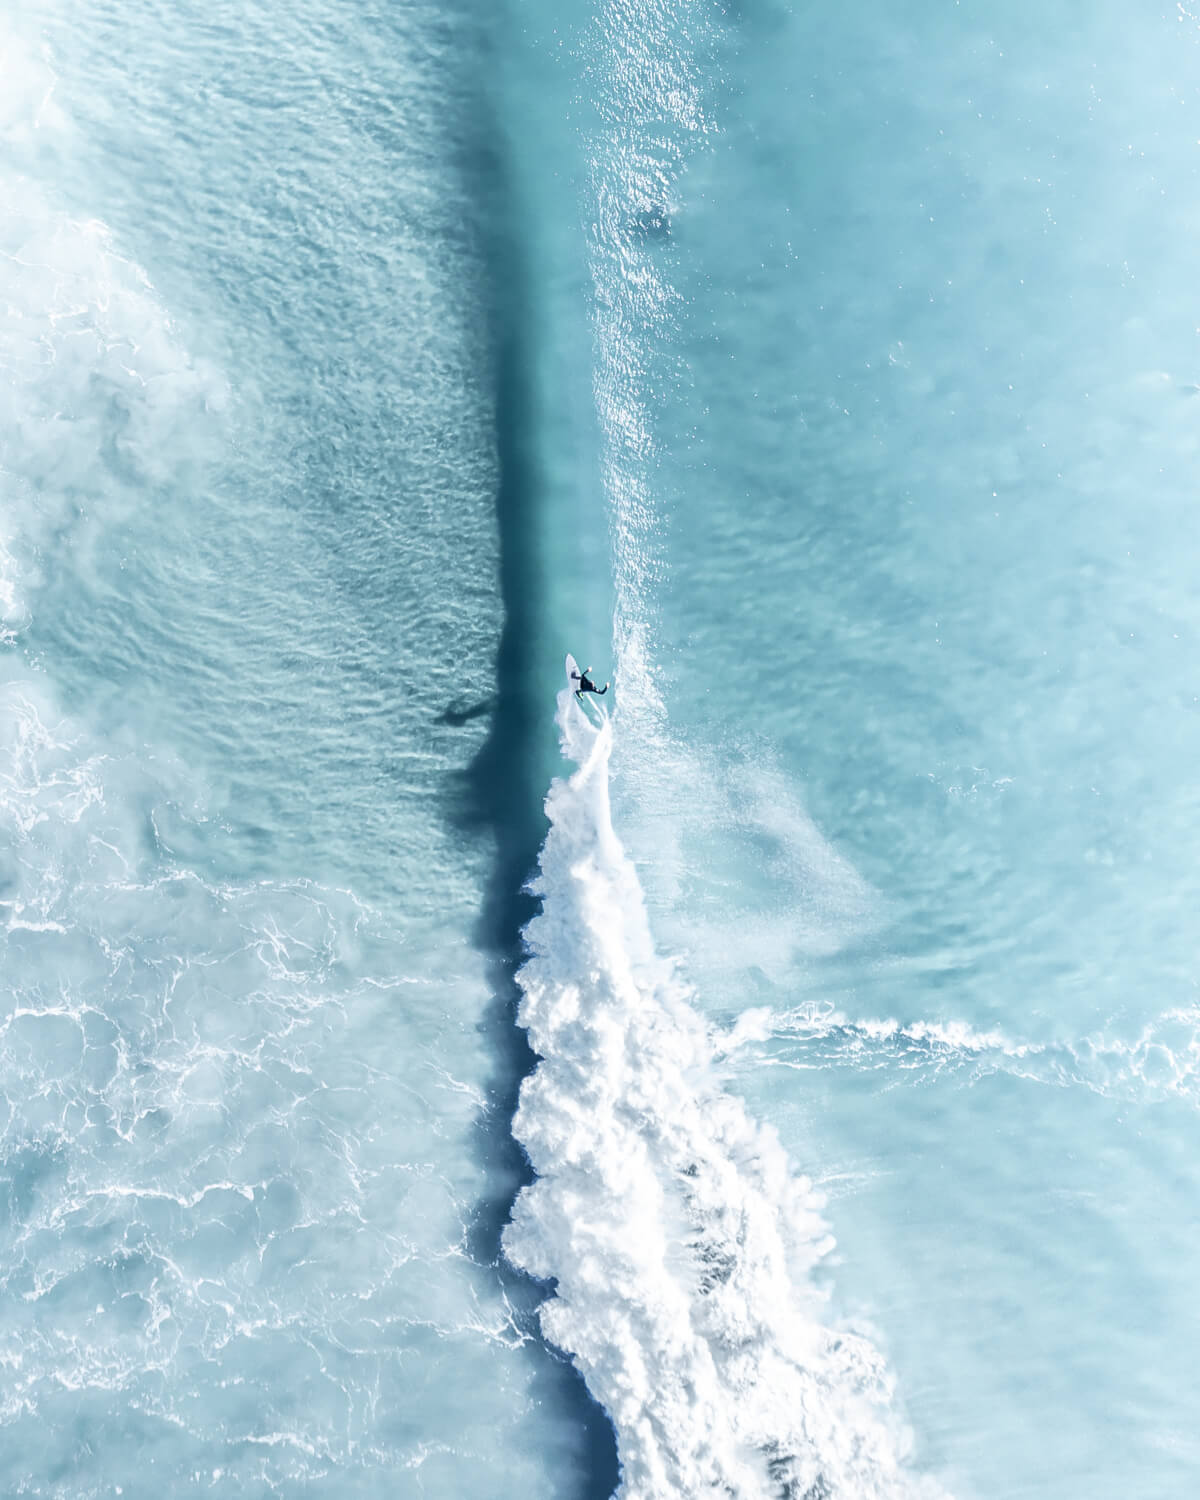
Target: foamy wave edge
x=682, y=1242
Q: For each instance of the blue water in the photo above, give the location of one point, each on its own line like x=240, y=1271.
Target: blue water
x=821, y=1122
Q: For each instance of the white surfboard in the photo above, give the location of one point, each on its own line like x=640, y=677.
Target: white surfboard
x=575, y=677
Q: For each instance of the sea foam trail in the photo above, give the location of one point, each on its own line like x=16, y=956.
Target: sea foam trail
x=682, y=1243
x=1160, y=1060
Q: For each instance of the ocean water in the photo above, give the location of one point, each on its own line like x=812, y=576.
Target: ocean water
x=777, y=1079
x=251, y=610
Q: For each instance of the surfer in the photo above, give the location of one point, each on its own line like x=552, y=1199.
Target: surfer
x=586, y=685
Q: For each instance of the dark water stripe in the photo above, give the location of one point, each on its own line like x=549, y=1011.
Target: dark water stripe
x=503, y=792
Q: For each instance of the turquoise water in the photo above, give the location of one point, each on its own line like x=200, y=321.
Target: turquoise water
x=827, y=379
x=250, y=549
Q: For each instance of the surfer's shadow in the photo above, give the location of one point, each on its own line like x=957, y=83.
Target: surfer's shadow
x=456, y=715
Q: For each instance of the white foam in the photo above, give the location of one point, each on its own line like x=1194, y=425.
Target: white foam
x=1159, y=1061
x=955, y=1036
x=92, y=374
x=686, y=1250
x=683, y=1243
x=27, y=85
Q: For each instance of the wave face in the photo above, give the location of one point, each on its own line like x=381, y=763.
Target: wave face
x=895, y=376
x=896, y=397
x=685, y=1250
x=684, y=1247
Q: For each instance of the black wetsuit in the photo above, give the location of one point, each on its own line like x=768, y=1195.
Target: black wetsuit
x=586, y=685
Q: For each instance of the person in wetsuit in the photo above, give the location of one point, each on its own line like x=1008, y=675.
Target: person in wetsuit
x=586, y=685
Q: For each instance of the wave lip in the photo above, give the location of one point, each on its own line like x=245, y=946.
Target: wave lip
x=681, y=1240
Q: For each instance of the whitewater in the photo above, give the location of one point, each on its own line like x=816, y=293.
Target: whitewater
x=683, y=1245
x=901, y=696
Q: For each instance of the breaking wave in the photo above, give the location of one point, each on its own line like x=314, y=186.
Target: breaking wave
x=685, y=1248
